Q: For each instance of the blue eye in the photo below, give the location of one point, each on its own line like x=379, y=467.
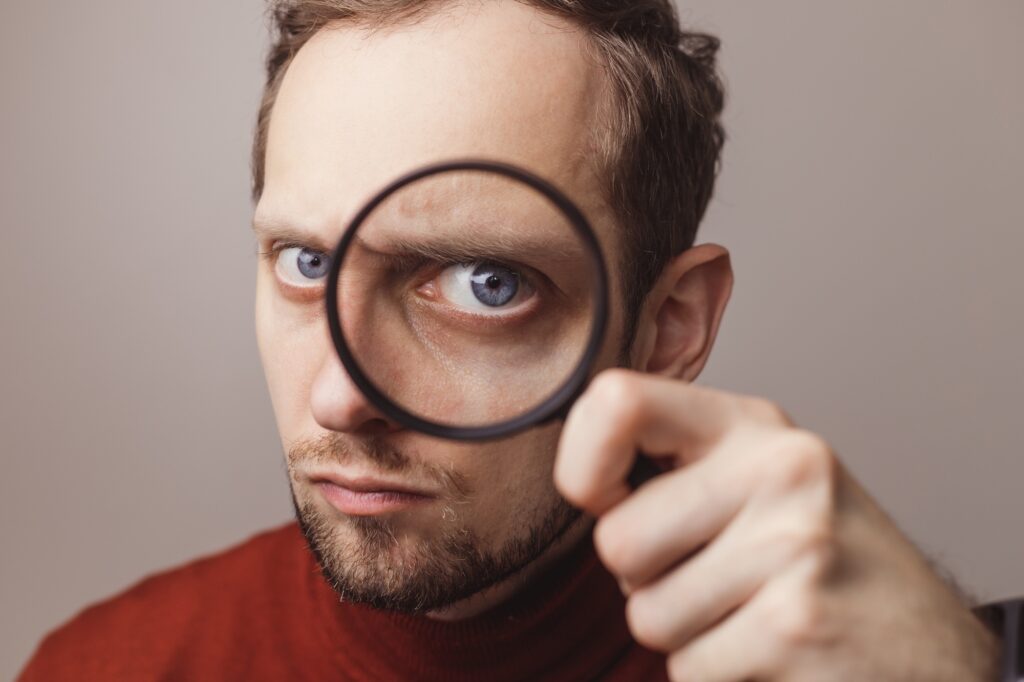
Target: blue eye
x=493, y=285
x=302, y=266
x=312, y=264
x=484, y=287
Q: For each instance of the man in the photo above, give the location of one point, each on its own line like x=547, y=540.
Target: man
x=754, y=556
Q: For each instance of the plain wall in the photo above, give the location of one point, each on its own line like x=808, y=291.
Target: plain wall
x=871, y=197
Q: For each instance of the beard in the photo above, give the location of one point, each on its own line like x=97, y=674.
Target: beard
x=365, y=560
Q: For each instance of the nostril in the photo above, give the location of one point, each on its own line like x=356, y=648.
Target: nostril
x=376, y=426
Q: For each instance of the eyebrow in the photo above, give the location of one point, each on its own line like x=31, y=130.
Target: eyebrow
x=467, y=248
x=274, y=228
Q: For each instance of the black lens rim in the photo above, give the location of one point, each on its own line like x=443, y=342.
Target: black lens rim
x=556, y=405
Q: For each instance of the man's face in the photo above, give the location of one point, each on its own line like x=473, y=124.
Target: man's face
x=496, y=80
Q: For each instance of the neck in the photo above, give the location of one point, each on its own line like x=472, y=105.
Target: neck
x=501, y=592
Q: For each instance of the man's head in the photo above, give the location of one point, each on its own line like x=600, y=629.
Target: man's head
x=597, y=97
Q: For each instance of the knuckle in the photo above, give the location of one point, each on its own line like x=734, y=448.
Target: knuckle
x=800, y=457
x=820, y=557
x=618, y=389
x=581, y=489
x=812, y=542
x=613, y=546
x=574, y=490
x=813, y=546
x=578, y=485
x=643, y=623
x=765, y=410
x=682, y=666
x=569, y=485
x=798, y=620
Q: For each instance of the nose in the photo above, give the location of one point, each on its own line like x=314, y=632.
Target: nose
x=338, y=404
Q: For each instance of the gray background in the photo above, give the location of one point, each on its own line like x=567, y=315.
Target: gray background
x=872, y=199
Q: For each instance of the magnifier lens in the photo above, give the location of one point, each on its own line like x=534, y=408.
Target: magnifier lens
x=467, y=298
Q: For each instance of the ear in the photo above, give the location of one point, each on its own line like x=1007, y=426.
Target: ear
x=681, y=314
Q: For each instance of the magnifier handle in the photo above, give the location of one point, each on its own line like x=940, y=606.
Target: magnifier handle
x=644, y=469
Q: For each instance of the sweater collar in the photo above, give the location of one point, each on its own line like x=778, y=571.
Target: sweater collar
x=568, y=623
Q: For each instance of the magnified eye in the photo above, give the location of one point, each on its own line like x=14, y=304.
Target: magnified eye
x=301, y=266
x=483, y=287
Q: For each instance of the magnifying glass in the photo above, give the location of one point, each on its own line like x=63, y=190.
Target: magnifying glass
x=468, y=300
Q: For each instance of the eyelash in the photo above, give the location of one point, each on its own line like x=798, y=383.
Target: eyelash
x=270, y=254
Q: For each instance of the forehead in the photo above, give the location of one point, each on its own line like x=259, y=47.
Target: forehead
x=496, y=79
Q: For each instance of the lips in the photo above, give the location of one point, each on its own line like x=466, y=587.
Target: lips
x=367, y=496
x=367, y=484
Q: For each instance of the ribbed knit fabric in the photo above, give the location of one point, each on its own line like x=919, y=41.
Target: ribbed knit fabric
x=262, y=611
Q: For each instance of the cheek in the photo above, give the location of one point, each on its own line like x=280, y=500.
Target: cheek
x=512, y=478
x=292, y=341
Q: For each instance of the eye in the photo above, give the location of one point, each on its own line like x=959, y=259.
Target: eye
x=302, y=266
x=483, y=287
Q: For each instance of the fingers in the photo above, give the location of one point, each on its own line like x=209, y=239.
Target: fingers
x=733, y=651
x=673, y=515
x=623, y=412
x=667, y=613
x=723, y=556
x=764, y=636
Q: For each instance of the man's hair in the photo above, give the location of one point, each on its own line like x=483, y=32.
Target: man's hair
x=658, y=139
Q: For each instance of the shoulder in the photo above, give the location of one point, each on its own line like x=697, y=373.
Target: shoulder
x=169, y=616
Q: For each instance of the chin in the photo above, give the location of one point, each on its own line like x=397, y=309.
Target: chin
x=376, y=561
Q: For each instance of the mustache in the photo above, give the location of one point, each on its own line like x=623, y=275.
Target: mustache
x=334, y=448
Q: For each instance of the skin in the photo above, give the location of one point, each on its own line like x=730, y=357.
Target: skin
x=493, y=80
x=756, y=556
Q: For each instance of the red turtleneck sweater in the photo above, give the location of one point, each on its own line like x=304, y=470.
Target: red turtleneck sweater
x=262, y=611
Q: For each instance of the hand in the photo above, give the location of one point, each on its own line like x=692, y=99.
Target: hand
x=756, y=556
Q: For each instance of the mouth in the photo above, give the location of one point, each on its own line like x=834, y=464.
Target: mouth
x=367, y=496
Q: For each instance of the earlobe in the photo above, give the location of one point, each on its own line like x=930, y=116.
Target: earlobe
x=683, y=312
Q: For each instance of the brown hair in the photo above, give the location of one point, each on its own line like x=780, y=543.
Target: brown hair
x=659, y=140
